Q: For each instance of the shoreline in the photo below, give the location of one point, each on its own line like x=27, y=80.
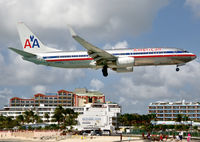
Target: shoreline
x=52, y=136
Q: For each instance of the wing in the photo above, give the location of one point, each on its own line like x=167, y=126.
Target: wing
x=99, y=55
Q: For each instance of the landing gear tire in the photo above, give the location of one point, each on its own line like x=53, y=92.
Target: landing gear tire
x=177, y=69
x=105, y=71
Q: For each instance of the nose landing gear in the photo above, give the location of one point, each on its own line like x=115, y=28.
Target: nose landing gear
x=105, y=71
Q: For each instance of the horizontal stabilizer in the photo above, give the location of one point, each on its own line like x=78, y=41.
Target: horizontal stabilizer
x=23, y=53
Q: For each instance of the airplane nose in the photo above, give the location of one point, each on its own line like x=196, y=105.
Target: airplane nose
x=194, y=57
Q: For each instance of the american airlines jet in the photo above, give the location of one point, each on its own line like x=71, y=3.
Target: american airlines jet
x=119, y=60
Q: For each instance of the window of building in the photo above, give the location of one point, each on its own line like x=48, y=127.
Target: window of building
x=167, y=107
x=175, y=107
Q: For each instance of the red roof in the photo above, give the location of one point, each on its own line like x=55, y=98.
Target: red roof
x=16, y=98
x=37, y=95
x=60, y=91
x=42, y=95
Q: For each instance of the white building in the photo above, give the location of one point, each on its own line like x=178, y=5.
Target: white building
x=167, y=111
x=14, y=111
x=98, y=116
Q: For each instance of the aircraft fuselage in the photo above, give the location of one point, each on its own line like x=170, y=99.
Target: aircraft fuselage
x=142, y=57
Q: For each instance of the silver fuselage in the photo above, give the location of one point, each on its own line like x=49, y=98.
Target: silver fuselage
x=142, y=57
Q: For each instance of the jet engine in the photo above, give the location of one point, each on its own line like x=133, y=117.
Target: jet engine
x=120, y=70
x=125, y=62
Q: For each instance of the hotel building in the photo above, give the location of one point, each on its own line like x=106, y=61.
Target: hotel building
x=84, y=96
x=167, y=111
x=79, y=97
x=91, y=106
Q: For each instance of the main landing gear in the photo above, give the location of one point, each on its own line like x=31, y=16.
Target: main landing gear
x=177, y=68
x=105, y=71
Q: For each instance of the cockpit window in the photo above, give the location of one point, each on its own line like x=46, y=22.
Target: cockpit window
x=186, y=51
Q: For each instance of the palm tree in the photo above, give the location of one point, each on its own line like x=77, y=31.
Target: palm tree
x=58, y=114
x=2, y=121
x=31, y=113
x=8, y=122
x=179, y=118
x=37, y=118
x=20, y=119
x=27, y=116
x=70, y=117
x=46, y=115
x=186, y=118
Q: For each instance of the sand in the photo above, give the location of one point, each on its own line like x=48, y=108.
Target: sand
x=52, y=136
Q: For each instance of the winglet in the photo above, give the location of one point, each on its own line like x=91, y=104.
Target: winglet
x=71, y=30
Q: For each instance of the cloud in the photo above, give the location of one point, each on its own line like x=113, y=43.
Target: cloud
x=104, y=19
x=96, y=84
x=17, y=72
x=194, y=5
x=39, y=89
x=118, y=45
x=5, y=92
x=96, y=20
x=5, y=95
x=134, y=91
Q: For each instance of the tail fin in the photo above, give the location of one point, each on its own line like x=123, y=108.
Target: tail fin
x=30, y=42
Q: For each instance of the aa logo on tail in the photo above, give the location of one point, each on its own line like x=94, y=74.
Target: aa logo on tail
x=32, y=41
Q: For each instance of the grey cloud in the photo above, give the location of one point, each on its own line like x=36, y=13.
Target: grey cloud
x=101, y=18
x=5, y=92
x=194, y=5
x=5, y=95
x=96, y=84
x=134, y=91
x=18, y=72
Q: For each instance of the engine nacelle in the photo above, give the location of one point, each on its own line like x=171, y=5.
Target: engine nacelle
x=127, y=69
x=125, y=62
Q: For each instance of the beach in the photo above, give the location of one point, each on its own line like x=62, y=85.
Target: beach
x=51, y=136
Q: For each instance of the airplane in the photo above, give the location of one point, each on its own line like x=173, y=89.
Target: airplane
x=119, y=60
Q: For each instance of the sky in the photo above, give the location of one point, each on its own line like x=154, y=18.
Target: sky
x=106, y=24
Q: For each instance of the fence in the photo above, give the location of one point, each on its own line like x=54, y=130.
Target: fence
x=169, y=133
